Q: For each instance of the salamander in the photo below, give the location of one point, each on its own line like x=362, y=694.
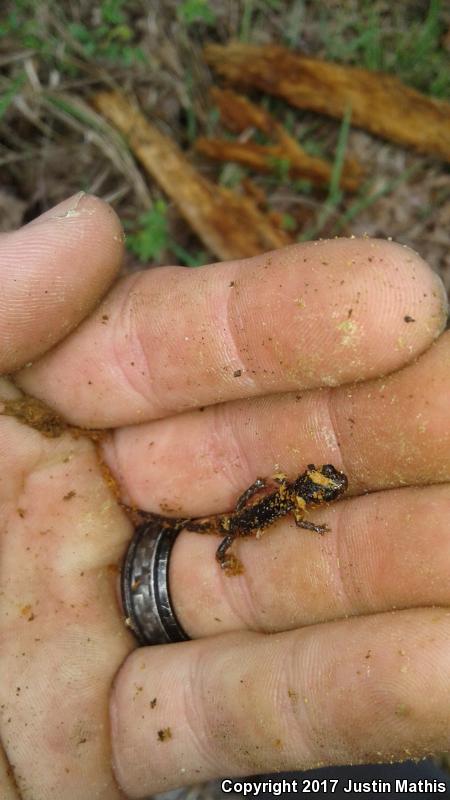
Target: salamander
x=265, y=501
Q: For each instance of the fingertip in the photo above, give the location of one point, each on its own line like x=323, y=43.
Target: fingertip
x=79, y=204
x=398, y=302
x=86, y=214
x=54, y=271
x=353, y=308
x=425, y=280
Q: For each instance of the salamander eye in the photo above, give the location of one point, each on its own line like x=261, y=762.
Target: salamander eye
x=326, y=483
x=338, y=480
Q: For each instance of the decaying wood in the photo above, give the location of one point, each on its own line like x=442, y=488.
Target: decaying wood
x=266, y=158
x=231, y=226
x=239, y=113
x=380, y=103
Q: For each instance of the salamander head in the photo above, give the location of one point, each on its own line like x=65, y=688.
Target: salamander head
x=321, y=484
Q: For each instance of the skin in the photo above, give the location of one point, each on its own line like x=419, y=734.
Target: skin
x=356, y=668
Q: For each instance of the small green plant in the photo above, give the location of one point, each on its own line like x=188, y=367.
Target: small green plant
x=288, y=222
x=281, y=167
x=111, y=39
x=152, y=237
x=112, y=13
x=196, y=259
x=152, y=234
x=20, y=24
x=190, y=11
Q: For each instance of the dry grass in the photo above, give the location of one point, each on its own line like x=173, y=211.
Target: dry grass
x=55, y=55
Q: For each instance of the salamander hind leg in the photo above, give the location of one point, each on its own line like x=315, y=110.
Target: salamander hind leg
x=260, y=483
x=228, y=561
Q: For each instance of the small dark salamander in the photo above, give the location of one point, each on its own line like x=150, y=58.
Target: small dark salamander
x=266, y=501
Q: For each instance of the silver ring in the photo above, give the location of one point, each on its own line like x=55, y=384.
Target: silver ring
x=145, y=586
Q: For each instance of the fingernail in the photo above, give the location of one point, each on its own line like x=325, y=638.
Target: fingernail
x=67, y=208
x=441, y=292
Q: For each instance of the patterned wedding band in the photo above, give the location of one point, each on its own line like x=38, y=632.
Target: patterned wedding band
x=145, y=586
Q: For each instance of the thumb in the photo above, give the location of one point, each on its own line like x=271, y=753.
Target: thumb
x=53, y=272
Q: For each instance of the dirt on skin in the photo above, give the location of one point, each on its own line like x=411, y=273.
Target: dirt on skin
x=37, y=415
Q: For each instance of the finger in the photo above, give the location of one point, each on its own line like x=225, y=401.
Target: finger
x=369, y=689
x=396, y=431
x=54, y=271
x=322, y=313
x=385, y=551
x=388, y=432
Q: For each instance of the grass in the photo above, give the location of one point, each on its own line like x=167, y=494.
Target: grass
x=411, y=51
x=194, y=11
x=335, y=194
x=59, y=41
x=368, y=198
x=55, y=54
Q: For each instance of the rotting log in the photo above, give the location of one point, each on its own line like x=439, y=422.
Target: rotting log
x=239, y=113
x=230, y=225
x=379, y=103
x=265, y=158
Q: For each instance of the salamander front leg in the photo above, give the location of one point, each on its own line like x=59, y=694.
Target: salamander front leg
x=309, y=526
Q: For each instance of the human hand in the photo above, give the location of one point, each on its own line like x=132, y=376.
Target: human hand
x=356, y=668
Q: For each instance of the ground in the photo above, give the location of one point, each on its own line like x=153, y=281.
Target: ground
x=54, y=56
